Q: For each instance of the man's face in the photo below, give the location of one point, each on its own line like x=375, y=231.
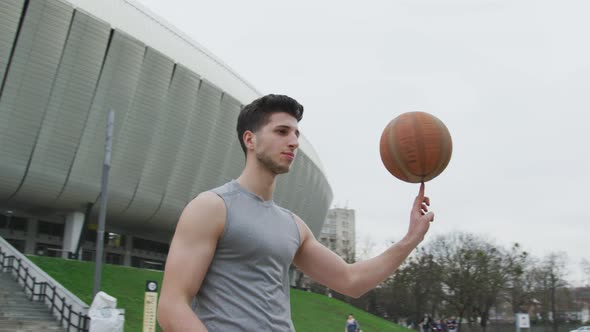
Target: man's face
x=276, y=142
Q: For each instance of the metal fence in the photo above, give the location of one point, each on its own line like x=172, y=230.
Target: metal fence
x=43, y=291
x=506, y=327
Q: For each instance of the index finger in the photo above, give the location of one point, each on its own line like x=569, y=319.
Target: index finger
x=421, y=192
x=420, y=196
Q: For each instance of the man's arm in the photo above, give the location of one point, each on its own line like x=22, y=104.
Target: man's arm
x=192, y=248
x=327, y=268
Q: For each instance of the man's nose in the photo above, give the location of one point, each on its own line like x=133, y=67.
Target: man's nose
x=294, y=142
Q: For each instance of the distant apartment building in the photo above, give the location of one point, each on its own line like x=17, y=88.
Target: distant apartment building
x=338, y=232
x=338, y=235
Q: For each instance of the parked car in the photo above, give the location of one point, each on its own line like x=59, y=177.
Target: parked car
x=582, y=329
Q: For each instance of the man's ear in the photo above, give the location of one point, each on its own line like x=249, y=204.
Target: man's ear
x=249, y=139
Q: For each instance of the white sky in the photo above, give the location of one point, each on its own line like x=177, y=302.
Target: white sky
x=510, y=79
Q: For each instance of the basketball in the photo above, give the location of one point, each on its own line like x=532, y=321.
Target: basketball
x=416, y=147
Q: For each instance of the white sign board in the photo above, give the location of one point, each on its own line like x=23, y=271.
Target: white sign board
x=523, y=321
x=150, y=302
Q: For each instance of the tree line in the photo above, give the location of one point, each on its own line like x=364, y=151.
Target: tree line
x=466, y=276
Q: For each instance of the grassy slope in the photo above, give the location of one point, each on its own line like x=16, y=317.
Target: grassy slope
x=314, y=312
x=310, y=312
x=124, y=283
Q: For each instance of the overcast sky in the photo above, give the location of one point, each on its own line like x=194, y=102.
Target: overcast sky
x=510, y=79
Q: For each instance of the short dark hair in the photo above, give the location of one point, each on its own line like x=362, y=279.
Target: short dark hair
x=256, y=114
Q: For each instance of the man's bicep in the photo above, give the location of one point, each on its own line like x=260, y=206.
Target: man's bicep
x=193, y=246
x=186, y=265
x=320, y=263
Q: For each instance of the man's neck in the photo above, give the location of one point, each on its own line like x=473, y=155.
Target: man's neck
x=258, y=181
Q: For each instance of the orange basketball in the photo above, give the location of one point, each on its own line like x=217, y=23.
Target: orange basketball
x=416, y=147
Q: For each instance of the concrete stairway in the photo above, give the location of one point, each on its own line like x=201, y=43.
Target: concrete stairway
x=18, y=313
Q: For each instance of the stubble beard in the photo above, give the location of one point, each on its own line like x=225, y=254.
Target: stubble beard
x=269, y=164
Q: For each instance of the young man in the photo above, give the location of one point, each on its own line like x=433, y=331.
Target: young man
x=233, y=246
x=351, y=324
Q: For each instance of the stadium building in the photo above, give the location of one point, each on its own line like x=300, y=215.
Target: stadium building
x=63, y=66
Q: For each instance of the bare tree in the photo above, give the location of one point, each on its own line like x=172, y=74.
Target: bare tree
x=458, y=271
x=520, y=280
x=415, y=289
x=498, y=269
x=474, y=272
x=585, y=264
x=549, y=277
x=364, y=248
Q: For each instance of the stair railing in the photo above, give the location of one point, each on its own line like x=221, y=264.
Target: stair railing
x=39, y=286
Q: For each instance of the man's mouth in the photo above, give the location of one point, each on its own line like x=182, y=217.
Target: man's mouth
x=289, y=155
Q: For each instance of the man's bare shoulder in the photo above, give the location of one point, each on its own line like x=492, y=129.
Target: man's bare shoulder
x=206, y=210
x=304, y=231
x=208, y=200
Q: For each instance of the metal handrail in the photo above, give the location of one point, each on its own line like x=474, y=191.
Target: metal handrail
x=7, y=264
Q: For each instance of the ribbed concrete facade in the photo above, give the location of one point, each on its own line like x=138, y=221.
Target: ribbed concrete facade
x=63, y=67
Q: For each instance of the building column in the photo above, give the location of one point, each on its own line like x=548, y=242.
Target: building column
x=128, y=248
x=72, y=230
x=31, y=237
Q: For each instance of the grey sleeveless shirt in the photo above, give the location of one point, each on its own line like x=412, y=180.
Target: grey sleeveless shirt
x=246, y=287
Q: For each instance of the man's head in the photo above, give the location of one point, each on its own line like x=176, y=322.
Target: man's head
x=350, y=316
x=268, y=130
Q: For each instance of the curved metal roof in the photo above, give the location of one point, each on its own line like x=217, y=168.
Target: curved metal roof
x=62, y=70
x=142, y=23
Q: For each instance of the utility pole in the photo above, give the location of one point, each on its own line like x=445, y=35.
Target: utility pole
x=103, y=203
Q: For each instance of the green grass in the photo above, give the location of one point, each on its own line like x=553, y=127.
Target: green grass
x=127, y=284
x=310, y=312
x=314, y=312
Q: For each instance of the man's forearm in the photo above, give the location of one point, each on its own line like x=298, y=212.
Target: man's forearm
x=367, y=274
